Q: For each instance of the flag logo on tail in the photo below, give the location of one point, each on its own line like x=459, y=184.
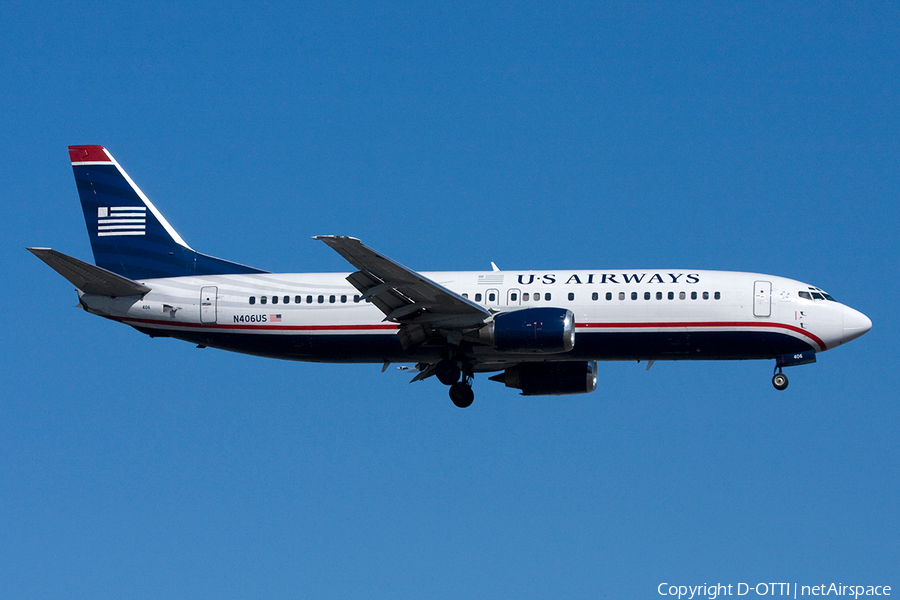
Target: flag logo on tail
x=121, y=220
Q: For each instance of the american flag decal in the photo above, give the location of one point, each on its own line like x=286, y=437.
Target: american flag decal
x=490, y=279
x=275, y=318
x=121, y=220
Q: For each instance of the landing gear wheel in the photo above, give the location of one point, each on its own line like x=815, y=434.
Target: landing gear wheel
x=780, y=381
x=461, y=394
x=447, y=372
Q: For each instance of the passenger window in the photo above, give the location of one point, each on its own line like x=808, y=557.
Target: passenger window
x=621, y=295
x=286, y=299
x=634, y=295
x=609, y=295
x=513, y=297
x=252, y=299
x=571, y=296
x=492, y=297
x=343, y=298
x=331, y=299
x=477, y=297
x=356, y=298
x=262, y=300
x=672, y=295
x=547, y=296
x=681, y=296
x=465, y=296
x=718, y=296
x=706, y=295
x=525, y=296
x=693, y=295
x=537, y=295
x=659, y=295
x=274, y=299
x=647, y=295
x=321, y=299
x=309, y=299
x=298, y=299
x=595, y=296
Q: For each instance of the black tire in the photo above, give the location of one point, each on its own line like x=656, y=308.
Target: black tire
x=462, y=395
x=780, y=381
x=447, y=372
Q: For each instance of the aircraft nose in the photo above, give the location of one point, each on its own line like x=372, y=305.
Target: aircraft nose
x=855, y=324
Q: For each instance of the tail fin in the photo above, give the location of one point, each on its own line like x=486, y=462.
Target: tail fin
x=128, y=235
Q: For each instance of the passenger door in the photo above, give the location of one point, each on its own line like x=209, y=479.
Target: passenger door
x=762, y=299
x=208, y=304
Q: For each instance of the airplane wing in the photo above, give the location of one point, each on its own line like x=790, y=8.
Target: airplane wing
x=88, y=278
x=421, y=306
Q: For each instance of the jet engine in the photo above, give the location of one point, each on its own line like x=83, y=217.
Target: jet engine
x=551, y=378
x=544, y=330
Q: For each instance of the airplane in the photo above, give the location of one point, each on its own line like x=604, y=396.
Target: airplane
x=542, y=332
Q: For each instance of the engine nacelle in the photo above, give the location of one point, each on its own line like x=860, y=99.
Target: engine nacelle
x=551, y=378
x=544, y=330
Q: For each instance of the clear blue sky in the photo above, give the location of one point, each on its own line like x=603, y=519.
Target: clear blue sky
x=748, y=136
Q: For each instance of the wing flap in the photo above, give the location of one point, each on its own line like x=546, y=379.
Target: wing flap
x=89, y=278
x=424, y=309
x=382, y=294
x=402, y=294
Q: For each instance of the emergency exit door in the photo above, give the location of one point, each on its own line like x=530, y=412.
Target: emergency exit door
x=762, y=299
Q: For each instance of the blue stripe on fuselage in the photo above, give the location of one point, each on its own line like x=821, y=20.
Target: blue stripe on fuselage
x=367, y=348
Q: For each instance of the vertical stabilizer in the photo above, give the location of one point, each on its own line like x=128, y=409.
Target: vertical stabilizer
x=129, y=236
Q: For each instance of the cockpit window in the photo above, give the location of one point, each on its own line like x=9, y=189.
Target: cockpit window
x=816, y=294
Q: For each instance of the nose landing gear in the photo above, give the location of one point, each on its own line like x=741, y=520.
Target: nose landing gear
x=780, y=380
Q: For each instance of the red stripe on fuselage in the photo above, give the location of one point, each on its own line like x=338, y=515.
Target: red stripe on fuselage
x=260, y=327
x=392, y=327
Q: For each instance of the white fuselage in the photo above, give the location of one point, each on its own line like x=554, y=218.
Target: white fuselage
x=619, y=314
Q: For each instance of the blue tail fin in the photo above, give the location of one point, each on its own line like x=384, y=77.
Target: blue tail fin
x=128, y=235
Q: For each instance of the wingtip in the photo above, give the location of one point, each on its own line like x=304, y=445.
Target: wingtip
x=325, y=238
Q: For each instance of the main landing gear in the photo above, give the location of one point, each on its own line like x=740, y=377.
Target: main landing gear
x=448, y=372
x=779, y=380
x=461, y=394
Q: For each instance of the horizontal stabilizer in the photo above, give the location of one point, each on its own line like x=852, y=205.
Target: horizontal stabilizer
x=88, y=278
